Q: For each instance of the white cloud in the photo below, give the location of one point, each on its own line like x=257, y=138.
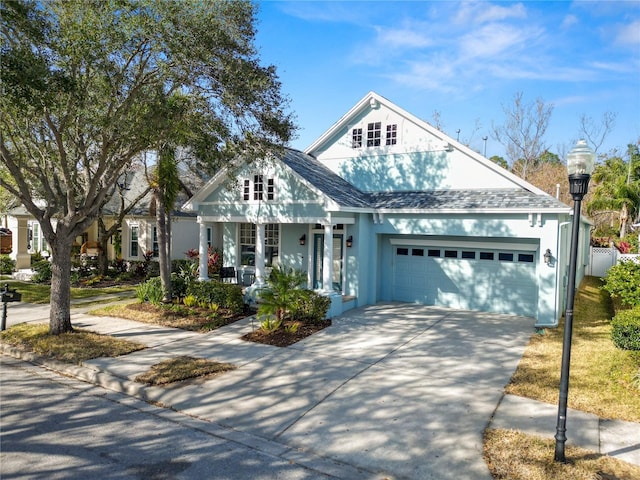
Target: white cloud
x=569, y=21
x=495, y=39
x=475, y=12
x=402, y=38
x=629, y=34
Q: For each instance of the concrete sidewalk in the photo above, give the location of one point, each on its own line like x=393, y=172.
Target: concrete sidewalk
x=392, y=390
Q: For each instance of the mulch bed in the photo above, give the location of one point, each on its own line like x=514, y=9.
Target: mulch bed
x=282, y=338
x=191, y=318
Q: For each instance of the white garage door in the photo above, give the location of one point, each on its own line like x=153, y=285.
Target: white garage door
x=501, y=281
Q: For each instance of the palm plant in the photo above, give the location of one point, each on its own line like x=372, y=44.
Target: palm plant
x=283, y=288
x=617, y=189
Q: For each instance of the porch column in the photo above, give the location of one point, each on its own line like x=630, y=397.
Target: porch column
x=327, y=260
x=203, y=251
x=259, y=258
x=21, y=244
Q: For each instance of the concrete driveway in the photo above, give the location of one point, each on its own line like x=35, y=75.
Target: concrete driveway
x=396, y=391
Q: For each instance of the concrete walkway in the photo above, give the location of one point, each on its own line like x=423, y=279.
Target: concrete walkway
x=393, y=391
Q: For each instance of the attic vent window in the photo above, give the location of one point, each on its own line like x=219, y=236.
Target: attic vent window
x=260, y=192
x=356, y=138
x=374, y=133
x=392, y=134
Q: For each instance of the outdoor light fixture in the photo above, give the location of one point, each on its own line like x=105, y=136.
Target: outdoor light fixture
x=350, y=241
x=303, y=239
x=547, y=256
x=580, y=164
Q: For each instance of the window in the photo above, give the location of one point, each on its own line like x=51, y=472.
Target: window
x=133, y=240
x=417, y=252
x=451, y=254
x=156, y=249
x=525, y=257
x=247, y=190
x=374, y=131
x=433, y=253
x=258, y=187
x=209, y=233
x=392, y=134
x=403, y=251
x=270, y=189
x=356, y=138
x=469, y=255
x=248, y=243
x=486, y=255
x=505, y=257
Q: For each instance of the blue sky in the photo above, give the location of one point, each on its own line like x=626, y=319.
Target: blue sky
x=465, y=60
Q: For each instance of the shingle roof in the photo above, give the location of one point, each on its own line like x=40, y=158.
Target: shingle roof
x=332, y=185
x=464, y=200
x=348, y=196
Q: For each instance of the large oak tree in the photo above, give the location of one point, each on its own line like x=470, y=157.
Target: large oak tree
x=87, y=86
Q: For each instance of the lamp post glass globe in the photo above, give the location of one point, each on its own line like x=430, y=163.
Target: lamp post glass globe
x=581, y=159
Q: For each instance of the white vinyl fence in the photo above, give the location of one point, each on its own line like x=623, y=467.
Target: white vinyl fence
x=601, y=259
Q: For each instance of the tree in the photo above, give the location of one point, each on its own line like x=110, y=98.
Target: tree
x=500, y=161
x=617, y=189
x=522, y=133
x=595, y=133
x=85, y=89
x=165, y=185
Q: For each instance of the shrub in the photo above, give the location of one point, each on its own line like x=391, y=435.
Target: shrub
x=623, y=282
x=179, y=285
x=283, y=288
x=180, y=265
x=309, y=306
x=625, y=329
x=43, y=271
x=190, y=301
x=150, y=291
x=270, y=324
x=7, y=265
x=227, y=295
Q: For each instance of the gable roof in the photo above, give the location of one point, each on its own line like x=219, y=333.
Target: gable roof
x=327, y=182
x=373, y=100
x=348, y=196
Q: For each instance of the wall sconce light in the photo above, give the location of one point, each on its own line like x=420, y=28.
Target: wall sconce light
x=448, y=147
x=350, y=241
x=547, y=257
x=303, y=239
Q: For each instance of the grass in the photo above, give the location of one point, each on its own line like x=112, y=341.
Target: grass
x=517, y=456
x=603, y=381
x=602, y=377
x=74, y=347
x=182, y=368
x=194, y=319
x=41, y=293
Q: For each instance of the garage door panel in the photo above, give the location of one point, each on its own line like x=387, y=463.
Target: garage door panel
x=491, y=284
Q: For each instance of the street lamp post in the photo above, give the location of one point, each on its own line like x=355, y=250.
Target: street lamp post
x=580, y=163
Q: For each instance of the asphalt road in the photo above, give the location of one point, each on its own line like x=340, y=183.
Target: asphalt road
x=53, y=427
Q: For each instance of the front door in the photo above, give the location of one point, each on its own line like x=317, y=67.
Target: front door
x=318, y=253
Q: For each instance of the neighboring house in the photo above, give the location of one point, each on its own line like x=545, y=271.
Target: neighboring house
x=138, y=233
x=412, y=216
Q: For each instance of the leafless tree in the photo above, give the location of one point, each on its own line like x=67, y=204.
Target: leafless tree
x=522, y=133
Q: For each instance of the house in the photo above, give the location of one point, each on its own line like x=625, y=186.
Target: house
x=385, y=207
x=136, y=237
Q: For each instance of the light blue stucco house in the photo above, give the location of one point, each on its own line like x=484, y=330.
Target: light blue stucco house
x=385, y=207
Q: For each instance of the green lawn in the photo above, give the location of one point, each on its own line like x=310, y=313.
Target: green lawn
x=603, y=378
x=40, y=293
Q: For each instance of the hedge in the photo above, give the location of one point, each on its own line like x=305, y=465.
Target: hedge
x=625, y=329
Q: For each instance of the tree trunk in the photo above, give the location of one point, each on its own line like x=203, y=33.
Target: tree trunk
x=624, y=215
x=164, y=258
x=60, y=313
